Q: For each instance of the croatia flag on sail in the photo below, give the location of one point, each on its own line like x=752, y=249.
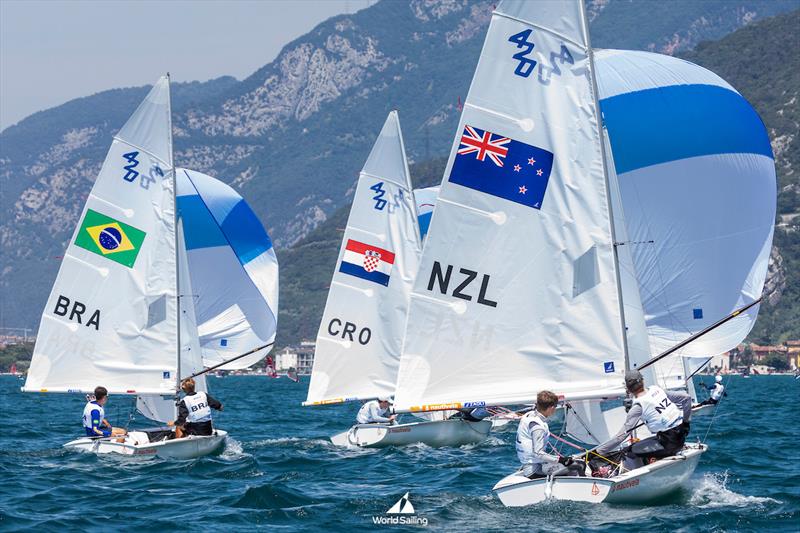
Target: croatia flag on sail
x=367, y=262
x=500, y=166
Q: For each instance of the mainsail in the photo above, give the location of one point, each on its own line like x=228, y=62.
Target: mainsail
x=233, y=269
x=517, y=289
x=360, y=336
x=111, y=318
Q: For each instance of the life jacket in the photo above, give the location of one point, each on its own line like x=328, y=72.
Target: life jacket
x=525, y=436
x=366, y=415
x=197, y=405
x=658, y=412
x=87, y=414
x=716, y=392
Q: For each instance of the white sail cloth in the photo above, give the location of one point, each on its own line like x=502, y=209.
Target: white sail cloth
x=233, y=270
x=360, y=336
x=697, y=182
x=517, y=287
x=111, y=317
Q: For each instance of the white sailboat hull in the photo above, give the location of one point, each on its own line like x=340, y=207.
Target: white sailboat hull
x=189, y=447
x=700, y=410
x=435, y=434
x=637, y=486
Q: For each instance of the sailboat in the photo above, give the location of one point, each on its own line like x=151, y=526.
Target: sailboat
x=122, y=312
x=360, y=335
x=569, y=246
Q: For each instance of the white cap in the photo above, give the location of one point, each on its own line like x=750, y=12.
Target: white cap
x=718, y=379
x=385, y=399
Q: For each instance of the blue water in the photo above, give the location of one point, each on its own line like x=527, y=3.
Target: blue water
x=279, y=471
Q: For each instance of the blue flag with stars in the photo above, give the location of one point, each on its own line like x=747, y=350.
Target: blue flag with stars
x=500, y=166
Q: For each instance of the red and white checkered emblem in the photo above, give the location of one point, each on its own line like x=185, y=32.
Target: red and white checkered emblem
x=371, y=260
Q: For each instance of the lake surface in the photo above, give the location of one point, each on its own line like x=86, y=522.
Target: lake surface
x=280, y=472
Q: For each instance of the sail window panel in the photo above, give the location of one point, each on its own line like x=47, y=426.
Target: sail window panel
x=586, y=272
x=157, y=311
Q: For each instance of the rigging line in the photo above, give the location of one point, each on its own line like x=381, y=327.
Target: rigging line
x=588, y=431
x=209, y=369
x=699, y=334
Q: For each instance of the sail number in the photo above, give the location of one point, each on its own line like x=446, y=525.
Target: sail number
x=349, y=331
x=440, y=280
x=526, y=64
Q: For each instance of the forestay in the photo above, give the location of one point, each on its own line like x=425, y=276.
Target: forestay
x=517, y=287
x=233, y=270
x=360, y=336
x=697, y=182
x=111, y=316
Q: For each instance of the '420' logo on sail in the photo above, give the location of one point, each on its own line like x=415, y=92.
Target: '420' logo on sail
x=526, y=65
x=131, y=173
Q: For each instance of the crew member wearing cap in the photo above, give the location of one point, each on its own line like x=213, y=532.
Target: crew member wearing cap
x=665, y=413
x=716, y=391
x=375, y=411
x=194, y=412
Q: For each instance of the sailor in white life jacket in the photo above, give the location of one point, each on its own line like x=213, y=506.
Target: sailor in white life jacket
x=716, y=392
x=376, y=411
x=665, y=413
x=94, y=416
x=532, y=441
x=194, y=412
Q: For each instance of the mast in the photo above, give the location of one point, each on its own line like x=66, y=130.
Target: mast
x=177, y=255
x=604, y=136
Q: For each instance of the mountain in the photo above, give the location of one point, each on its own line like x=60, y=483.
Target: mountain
x=762, y=62
x=771, y=86
x=293, y=135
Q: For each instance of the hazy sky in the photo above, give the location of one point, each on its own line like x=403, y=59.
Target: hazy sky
x=52, y=51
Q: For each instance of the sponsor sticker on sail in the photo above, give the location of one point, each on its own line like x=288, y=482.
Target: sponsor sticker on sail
x=110, y=238
x=367, y=262
x=500, y=166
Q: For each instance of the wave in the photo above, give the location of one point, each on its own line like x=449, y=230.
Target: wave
x=712, y=491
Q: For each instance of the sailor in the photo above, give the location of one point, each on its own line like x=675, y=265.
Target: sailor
x=716, y=392
x=532, y=439
x=376, y=411
x=194, y=411
x=665, y=413
x=94, y=416
x=471, y=415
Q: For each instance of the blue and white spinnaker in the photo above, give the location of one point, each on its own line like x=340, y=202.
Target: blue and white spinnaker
x=233, y=268
x=696, y=177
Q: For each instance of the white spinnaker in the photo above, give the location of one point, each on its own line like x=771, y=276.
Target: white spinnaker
x=233, y=268
x=359, y=339
x=162, y=408
x=133, y=347
x=556, y=324
x=697, y=181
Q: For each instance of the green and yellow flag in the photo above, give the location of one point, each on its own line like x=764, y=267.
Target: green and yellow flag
x=110, y=238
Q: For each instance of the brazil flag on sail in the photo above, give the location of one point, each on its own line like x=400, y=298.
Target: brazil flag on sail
x=110, y=238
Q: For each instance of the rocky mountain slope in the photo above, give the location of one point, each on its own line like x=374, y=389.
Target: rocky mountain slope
x=293, y=135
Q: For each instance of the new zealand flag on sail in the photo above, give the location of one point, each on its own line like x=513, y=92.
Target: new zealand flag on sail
x=502, y=167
